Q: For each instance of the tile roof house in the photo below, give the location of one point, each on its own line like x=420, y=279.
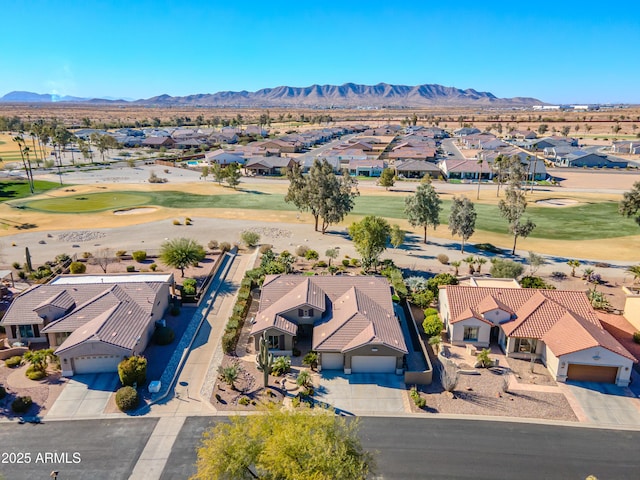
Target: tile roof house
x=92, y=321
x=350, y=320
x=558, y=327
x=269, y=165
x=467, y=169
x=157, y=142
x=417, y=169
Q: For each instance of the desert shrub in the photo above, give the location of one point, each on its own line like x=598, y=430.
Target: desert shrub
x=345, y=262
x=281, y=365
x=133, y=370
x=249, y=238
x=301, y=250
x=419, y=401
x=187, y=221
x=174, y=310
x=86, y=255
x=127, y=398
x=502, y=268
x=320, y=264
x=163, y=335
x=21, y=404
x=77, y=267
x=244, y=401
x=3, y=392
x=121, y=253
x=131, y=268
x=636, y=337
x=423, y=298
x=34, y=373
x=139, y=256
x=265, y=248
x=440, y=279
x=355, y=262
x=311, y=255
x=177, y=222
x=443, y=259
x=488, y=247
x=22, y=275
x=225, y=247
x=535, y=282
x=153, y=267
x=13, y=362
x=212, y=245
x=16, y=265
x=559, y=275
x=229, y=341
x=311, y=360
x=432, y=325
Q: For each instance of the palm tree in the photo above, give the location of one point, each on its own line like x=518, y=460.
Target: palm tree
x=635, y=270
x=24, y=150
x=479, y=162
x=304, y=380
x=470, y=261
x=456, y=266
x=181, y=253
x=573, y=264
x=480, y=261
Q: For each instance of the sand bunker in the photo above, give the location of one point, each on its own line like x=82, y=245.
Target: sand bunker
x=557, y=202
x=134, y=211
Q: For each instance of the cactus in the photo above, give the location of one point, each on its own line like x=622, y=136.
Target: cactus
x=265, y=359
x=27, y=257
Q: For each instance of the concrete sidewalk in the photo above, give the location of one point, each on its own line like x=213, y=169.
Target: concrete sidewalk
x=201, y=365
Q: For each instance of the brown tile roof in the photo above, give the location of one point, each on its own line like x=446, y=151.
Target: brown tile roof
x=573, y=333
x=563, y=319
x=359, y=310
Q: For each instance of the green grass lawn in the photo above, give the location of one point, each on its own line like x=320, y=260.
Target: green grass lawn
x=582, y=222
x=15, y=189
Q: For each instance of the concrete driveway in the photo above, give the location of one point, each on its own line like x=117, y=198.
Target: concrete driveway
x=84, y=396
x=362, y=393
x=606, y=404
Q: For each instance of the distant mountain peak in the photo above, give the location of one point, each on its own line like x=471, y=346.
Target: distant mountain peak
x=347, y=95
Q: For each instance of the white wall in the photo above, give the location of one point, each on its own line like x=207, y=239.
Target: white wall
x=457, y=333
x=606, y=359
x=497, y=316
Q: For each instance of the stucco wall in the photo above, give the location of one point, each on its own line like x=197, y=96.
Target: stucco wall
x=497, y=316
x=457, y=333
x=284, y=338
x=606, y=359
x=632, y=307
x=367, y=351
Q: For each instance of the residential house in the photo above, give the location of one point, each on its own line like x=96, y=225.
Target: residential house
x=186, y=143
x=159, y=142
x=522, y=135
x=85, y=133
x=256, y=130
x=225, y=157
x=350, y=321
x=417, y=169
x=366, y=168
x=539, y=144
x=628, y=147
x=467, y=169
x=269, y=165
x=335, y=162
x=280, y=145
x=578, y=158
x=463, y=132
x=558, y=327
x=228, y=138
x=405, y=152
x=91, y=321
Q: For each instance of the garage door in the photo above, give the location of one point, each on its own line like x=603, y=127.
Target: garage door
x=364, y=364
x=96, y=364
x=332, y=361
x=591, y=373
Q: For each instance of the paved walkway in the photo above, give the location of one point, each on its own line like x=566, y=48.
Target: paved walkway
x=84, y=396
x=154, y=457
x=195, y=381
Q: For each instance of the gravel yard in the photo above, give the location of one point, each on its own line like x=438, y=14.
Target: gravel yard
x=484, y=394
x=43, y=393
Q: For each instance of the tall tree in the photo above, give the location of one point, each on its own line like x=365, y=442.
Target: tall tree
x=462, y=219
x=423, y=208
x=387, y=178
x=232, y=175
x=24, y=155
x=513, y=206
x=397, y=236
x=218, y=173
x=284, y=445
x=181, y=253
x=370, y=237
x=630, y=203
x=327, y=196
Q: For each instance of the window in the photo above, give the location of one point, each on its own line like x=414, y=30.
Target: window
x=274, y=341
x=526, y=345
x=471, y=334
x=61, y=337
x=26, y=331
x=305, y=312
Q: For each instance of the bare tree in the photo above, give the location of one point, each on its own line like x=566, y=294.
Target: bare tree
x=103, y=257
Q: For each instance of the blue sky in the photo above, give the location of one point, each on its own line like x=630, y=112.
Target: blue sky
x=561, y=51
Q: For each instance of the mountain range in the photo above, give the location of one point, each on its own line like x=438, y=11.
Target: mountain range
x=339, y=96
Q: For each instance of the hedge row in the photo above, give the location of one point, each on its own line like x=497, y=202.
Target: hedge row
x=236, y=320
